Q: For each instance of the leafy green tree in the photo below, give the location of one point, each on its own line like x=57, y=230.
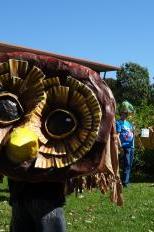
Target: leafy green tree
x=144, y=116
x=151, y=100
x=112, y=83
x=133, y=83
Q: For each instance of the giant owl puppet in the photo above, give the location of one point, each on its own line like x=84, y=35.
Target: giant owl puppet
x=56, y=122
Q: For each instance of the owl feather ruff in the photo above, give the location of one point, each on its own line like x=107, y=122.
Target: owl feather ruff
x=56, y=121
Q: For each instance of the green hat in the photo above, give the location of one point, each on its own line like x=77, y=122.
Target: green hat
x=126, y=107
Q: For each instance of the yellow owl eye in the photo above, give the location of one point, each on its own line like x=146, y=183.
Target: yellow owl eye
x=10, y=108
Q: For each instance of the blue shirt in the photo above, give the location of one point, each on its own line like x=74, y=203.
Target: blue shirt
x=125, y=129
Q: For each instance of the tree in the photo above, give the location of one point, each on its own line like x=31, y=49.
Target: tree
x=133, y=83
x=112, y=83
x=151, y=100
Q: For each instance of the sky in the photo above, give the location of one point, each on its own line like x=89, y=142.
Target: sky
x=108, y=31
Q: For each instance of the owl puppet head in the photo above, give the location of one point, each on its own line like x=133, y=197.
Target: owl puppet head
x=56, y=119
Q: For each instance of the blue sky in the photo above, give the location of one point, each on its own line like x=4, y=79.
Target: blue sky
x=109, y=31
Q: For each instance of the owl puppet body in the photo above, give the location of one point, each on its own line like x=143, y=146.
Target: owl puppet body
x=56, y=122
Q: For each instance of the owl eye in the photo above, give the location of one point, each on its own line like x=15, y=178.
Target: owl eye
x=10, y=108
x=60, y=123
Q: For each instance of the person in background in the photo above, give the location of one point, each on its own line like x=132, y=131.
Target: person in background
x=125, y=132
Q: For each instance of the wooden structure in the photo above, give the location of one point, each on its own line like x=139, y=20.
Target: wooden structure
x=96, y=66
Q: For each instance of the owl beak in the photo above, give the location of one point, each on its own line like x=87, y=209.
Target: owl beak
x=22, y=145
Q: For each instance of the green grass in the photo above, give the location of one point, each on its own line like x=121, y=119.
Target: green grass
x=94, y=212
x=5, y=210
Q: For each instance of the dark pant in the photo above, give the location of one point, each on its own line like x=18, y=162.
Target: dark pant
x=128, y=157
x=36, y=216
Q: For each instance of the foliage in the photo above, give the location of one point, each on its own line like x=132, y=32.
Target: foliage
x=112, y=83
x=148, y=159
x=133, y=83
x=151, y=99
x=143, y=165
x=143, y=117
x=138, y=162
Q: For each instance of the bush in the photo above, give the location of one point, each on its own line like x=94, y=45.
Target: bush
x=143, y=165
x=144, y=116
x=148, y=159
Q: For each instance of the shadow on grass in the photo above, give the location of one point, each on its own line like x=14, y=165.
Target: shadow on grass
x=4, y=190
x=143, y=179
x=4, y=198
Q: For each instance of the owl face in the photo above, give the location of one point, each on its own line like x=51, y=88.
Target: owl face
x=53, y=120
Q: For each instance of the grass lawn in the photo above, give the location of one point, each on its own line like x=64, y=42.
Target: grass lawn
x=95, y=213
